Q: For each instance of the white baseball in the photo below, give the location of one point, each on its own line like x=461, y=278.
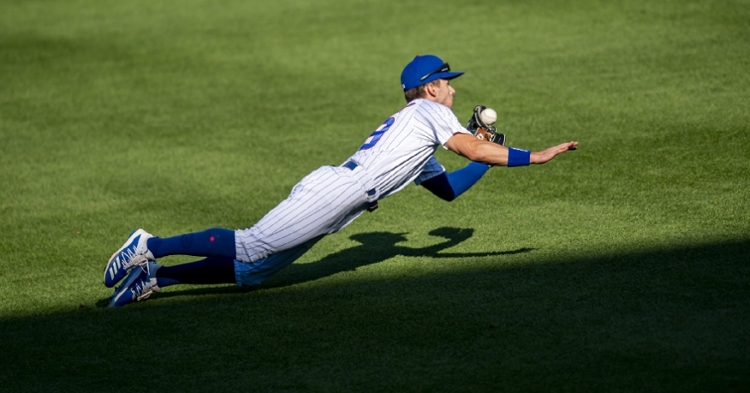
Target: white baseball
x=488, y=116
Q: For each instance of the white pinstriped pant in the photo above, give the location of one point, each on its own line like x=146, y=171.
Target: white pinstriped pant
x=323, y=202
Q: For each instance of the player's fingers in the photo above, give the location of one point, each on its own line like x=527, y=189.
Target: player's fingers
x=562, y=148
x=566, y=146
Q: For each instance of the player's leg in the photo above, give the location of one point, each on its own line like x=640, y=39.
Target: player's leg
x=254, y=273
x=151, y=277
x=322, y=203
x=214, y=242
x=211, y=270
x=142, y=247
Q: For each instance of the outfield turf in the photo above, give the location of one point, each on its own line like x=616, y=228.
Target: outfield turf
x=623, y=266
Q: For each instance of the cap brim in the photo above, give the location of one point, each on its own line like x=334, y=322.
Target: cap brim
x=450, y=75
x=443, y=75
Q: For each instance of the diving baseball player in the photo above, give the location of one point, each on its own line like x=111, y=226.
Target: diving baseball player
x=399, y=151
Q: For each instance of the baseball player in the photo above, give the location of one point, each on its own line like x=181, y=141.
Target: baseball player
x=399, y=151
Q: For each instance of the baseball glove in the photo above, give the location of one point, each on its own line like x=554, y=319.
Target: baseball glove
x=482, y=130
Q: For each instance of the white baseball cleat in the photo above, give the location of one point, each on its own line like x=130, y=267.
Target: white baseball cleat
x=133, y=253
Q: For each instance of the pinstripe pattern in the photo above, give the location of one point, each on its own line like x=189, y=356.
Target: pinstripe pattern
x=329, y=198
x=251, y=274
x=322, y=203
x=403, y=151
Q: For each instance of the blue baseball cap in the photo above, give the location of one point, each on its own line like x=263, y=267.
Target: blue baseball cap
x=425, y=69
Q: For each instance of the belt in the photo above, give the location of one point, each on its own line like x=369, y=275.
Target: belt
x=351, y=165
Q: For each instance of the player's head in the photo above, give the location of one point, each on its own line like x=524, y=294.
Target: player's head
x=427, y=70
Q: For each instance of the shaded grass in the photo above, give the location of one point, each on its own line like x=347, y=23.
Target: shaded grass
x=671, y=319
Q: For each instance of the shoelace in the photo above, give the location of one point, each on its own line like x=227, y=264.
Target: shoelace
x=128, y=255
x=142, y=285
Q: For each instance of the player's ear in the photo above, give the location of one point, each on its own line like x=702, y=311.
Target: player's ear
x=430, y=90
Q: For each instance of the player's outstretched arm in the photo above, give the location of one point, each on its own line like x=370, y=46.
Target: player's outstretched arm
x=493, y=154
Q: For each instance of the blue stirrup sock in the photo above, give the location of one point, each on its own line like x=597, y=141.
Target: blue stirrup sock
x=214, y=242
x=212, y=270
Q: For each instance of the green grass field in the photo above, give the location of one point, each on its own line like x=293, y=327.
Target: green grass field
x=623, y=266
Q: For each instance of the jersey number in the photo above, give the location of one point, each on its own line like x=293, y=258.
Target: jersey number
x=373, y=139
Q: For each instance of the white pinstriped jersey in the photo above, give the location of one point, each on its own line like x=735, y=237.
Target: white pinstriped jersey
x=402, y=148
x=328, y=199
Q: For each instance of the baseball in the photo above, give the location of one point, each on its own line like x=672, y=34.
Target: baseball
x=488, y=116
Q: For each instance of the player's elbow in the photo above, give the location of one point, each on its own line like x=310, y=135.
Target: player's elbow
x=446, y=195
x=441, y=187
x=465, y=145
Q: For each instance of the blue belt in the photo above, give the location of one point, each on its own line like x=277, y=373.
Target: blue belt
x=350, y=164
x=370, y=205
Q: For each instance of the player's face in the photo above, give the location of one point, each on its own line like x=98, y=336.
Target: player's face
x=444, y=93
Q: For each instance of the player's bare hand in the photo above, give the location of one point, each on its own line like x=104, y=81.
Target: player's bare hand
x=544, y=156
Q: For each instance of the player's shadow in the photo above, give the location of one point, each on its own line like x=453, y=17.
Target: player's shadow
x=377, y=247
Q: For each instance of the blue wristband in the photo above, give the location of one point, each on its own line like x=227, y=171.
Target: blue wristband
x=518, y=157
